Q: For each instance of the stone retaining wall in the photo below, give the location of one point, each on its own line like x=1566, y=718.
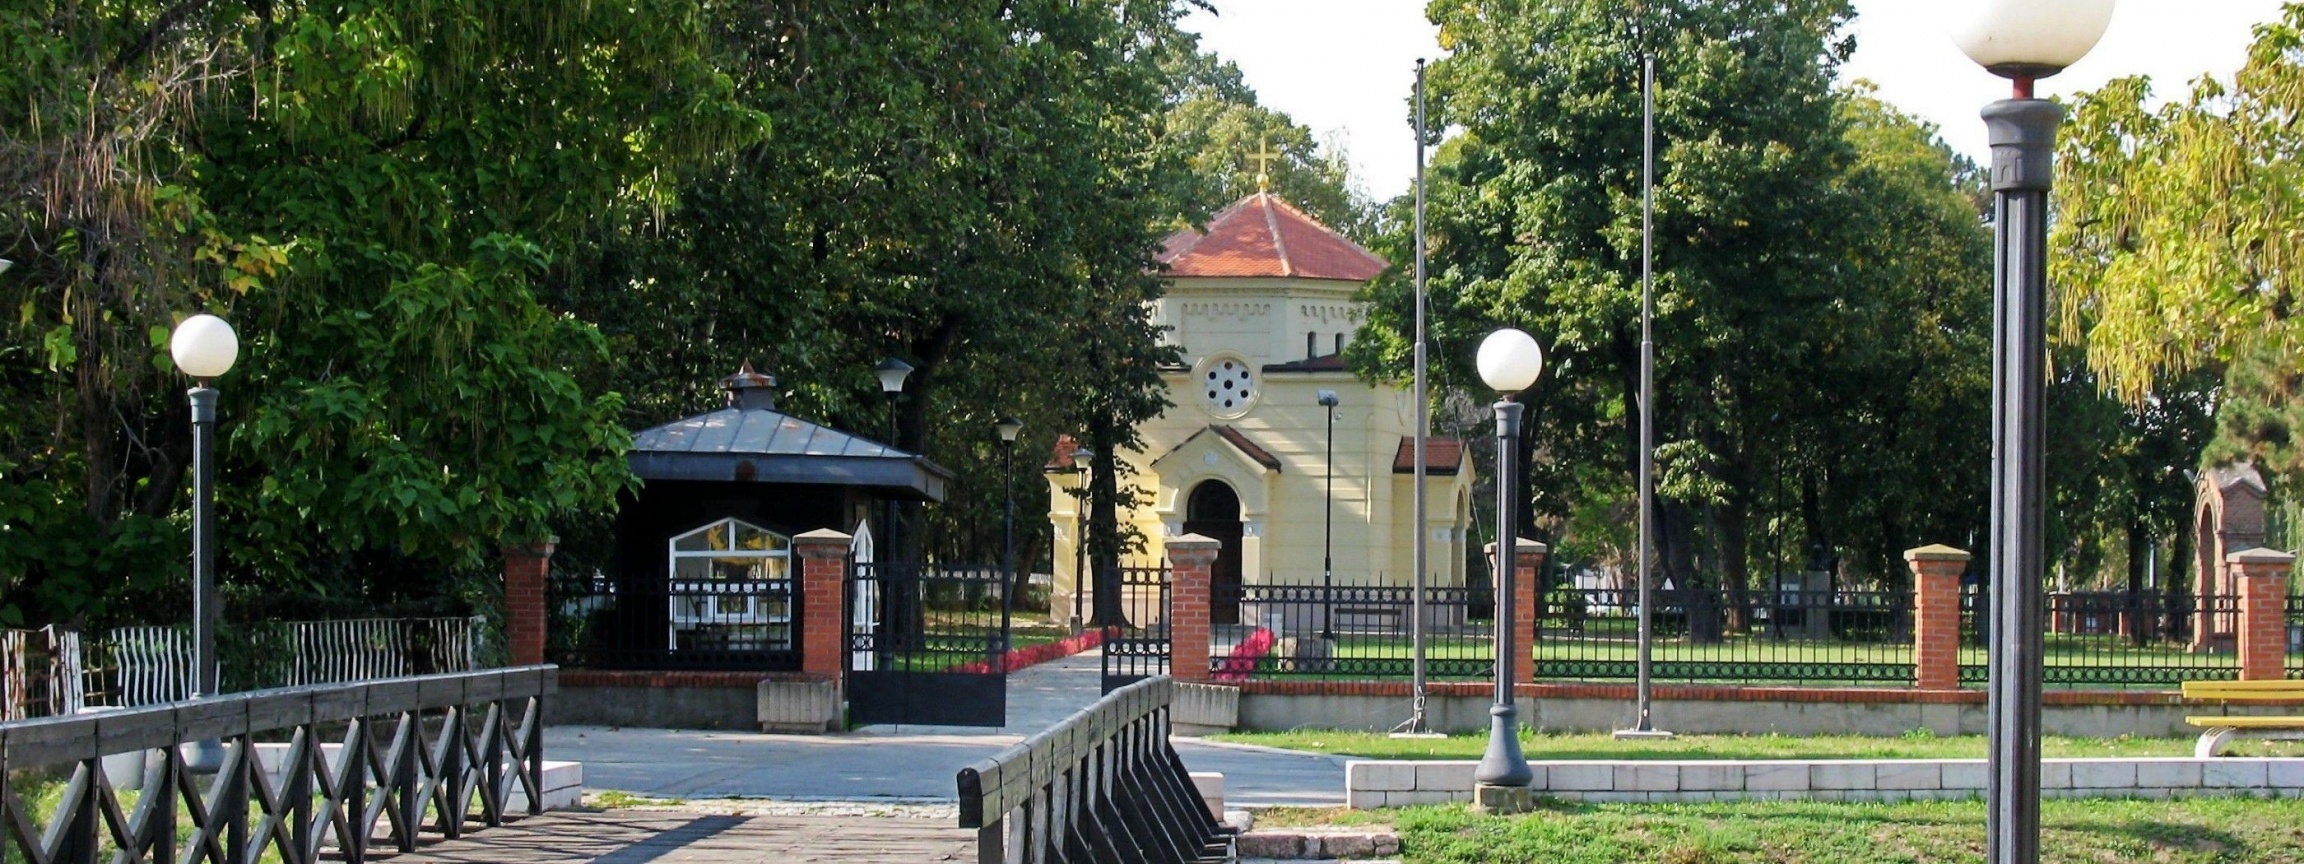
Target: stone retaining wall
x=1370, y=784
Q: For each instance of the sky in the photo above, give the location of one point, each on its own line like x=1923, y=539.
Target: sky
x=1346, y=68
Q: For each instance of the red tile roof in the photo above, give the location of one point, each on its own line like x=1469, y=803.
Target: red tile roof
x=1261, y=235
x=1443, y=457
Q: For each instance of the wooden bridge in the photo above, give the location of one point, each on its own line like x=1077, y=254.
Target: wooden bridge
x=418, y=766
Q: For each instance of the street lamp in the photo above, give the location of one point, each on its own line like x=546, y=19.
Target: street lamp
x=891, y=373
x=2022, y=40
x=1082, y=457
x=204, y=348
x=1009, y=427
x=1328, y=535
x=1509, y=362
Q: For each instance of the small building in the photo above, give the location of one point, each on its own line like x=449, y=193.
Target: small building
x=1263, y=305
x=703, y=576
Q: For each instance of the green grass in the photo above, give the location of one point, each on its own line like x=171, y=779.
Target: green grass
x=1599, y=746
x=2182, y=832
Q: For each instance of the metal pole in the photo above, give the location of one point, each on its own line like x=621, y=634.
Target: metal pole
x=1007, y=547
x=1416, y=723
x=1647, y=380
x=2023, y=137
x=204, y=611
x=207, y=755
x=1079, y=547
x=1328, y=540
x=1503, y=764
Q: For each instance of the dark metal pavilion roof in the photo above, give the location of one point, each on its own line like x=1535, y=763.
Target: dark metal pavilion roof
x=751, y=442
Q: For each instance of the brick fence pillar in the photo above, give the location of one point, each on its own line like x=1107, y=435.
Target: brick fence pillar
x=2263, y=577
x=1936, y=615
x=525, y=570
x=1191, y=558
x=1529, y=562
x=823, y=557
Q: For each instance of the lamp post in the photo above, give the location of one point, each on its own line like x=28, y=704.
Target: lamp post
x=1509, y=362
x=2023, y=40
x=1328, y=535
x=1082, y=457
x=891, y=373
x=1008, y=428
x=204, y=347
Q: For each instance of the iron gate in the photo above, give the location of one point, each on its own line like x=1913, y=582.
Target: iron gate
x=926, y=645
x=1136, y=648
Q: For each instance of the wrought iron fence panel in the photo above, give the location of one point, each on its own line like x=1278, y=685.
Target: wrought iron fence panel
x=364, y=765
x=731, y=624
x=1789, y=637
x=928, y=618
x=1138, y=647
x=1348, y=631
x=2295, y=634
x=2115, y=639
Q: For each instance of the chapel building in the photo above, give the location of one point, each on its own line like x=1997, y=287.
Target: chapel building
x=1262, y=305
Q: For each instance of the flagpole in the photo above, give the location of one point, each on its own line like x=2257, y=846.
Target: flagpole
x=1416, y=720
x=1643, y=726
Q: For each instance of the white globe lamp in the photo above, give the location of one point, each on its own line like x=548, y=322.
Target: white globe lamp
x=1509, y=361
x=2027, y=39
x=204, y=347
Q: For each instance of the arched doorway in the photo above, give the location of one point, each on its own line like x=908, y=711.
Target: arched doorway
x=1213, y=512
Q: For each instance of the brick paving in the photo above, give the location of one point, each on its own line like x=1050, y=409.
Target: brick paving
x=626, y=836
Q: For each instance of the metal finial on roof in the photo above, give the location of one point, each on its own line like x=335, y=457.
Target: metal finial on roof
x=749, y=390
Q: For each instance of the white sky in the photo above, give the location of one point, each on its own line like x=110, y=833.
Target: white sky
x=1346, y=68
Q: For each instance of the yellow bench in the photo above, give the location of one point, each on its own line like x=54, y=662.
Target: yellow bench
x=2221, y=728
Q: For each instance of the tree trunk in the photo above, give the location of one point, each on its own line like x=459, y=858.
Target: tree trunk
x=1734, y=522
x=2174, y=588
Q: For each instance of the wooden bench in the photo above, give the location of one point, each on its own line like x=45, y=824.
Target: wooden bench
x=2220, y=728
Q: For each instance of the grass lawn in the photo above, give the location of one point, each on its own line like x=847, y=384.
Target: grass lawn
x=2178, y=832
x=1542, y=747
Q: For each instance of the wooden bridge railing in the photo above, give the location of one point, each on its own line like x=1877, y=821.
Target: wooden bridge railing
x=1102, y=786
x=399, y=747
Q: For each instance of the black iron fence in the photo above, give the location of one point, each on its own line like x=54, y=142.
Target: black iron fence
x=730, y=624
x=926, y=618
x=1137, y=648
x=2117, y=639
x=1350, y=631
x=1770, y=637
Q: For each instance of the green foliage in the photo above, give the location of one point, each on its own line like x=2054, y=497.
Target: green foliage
x=1820, y=281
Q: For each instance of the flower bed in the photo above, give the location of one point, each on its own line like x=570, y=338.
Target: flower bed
x=1022, y=658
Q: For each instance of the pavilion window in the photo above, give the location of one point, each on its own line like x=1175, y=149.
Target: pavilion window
x=731, y=589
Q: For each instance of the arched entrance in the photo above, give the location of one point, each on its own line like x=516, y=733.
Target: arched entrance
x=1213, y=512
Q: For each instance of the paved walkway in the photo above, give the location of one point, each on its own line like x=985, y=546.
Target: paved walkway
x=883, y=763
x=672, y=837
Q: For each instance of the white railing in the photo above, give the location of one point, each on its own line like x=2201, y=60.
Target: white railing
x=40, y=673
x=154, y=664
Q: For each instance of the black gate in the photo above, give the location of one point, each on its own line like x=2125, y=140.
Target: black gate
x=1137, y=647
x=926, y=645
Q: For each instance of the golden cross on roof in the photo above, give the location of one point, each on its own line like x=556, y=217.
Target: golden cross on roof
x=1264, y=157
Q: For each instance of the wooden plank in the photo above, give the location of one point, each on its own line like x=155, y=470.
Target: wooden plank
x=2244, y=690
x=135, y=729
x=2243, y=722
x=680, y=837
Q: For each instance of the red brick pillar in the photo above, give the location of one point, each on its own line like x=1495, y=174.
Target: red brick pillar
x=1936, y=615
x=1191, y=558
x=525, y=569
x=2263, y=577
x=1524, y=570
x=823, y=557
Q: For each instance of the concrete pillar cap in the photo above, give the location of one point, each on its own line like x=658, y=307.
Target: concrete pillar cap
x=1192, y=541
x=1524, y=546
x=1935, y=552
x=823, y=535
x=2260, y=555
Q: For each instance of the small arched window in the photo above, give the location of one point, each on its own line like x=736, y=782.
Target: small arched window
x=1339, y=343
x=730, y=589
x=1311, y=345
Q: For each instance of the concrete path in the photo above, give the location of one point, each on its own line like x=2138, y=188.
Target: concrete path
x=906, y=763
